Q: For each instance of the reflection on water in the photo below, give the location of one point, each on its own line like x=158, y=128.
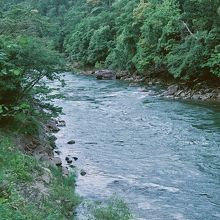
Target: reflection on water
x=162, y=156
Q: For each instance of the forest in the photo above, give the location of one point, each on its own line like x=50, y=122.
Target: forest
x=39, y=39
x=178, y=37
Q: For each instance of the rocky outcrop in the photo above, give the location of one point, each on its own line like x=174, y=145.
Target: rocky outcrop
x=194, y=90
x=171, y=90
x=52, y=126
x=105, y=75
x=199, y=91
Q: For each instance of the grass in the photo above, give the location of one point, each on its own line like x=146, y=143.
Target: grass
x=19, y=200
x=113, y=209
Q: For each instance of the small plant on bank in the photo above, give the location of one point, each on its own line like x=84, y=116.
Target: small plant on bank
x=113, y=209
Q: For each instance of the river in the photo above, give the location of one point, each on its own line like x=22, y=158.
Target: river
x=161, y=156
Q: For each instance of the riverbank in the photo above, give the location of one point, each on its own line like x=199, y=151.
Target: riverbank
x=198, y=89
x=36, y=185
x=33, y=183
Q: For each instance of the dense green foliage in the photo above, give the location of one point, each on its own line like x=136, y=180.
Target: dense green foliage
x=181, y=37
x=27, y=55
x=175, y=36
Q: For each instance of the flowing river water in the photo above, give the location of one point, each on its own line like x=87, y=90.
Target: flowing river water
x=161, y=156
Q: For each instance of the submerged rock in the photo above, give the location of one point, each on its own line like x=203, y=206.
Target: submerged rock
x=82, y=172
x=67, y=158
x=69, y=161
x=71, y=142
x=75, y=158
x=105, y=74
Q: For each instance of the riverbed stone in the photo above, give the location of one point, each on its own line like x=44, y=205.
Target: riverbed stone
x=69, y=161
x=82, y=172
x=67, y=158
x=71, y=142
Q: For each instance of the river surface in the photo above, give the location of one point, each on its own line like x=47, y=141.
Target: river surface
x=161, y=156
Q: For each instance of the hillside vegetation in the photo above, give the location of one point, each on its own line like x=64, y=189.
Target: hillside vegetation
x=151, y=37
x=181, y=37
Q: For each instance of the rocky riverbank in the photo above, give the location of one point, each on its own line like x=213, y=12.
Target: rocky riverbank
x=197, y=89
x=33, y=182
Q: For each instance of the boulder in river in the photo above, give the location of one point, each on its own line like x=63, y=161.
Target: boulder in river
x=67, y=158
x=105, y=74
x=82, y=172
x=75, y=158
x=69, y=161
x=71, y=142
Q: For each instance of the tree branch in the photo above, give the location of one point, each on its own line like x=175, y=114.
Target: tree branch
x=186, y=26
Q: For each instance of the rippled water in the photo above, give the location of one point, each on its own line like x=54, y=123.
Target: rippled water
x=161, y=156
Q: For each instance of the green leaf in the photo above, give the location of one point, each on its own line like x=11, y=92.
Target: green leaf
x=17, y=72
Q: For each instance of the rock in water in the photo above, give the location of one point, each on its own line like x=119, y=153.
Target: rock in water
x=69, y=161
x=71, y=142
x=75, y=158
x=61, y=123
x=67, y=158
x=105, y=74
x=82, y=172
